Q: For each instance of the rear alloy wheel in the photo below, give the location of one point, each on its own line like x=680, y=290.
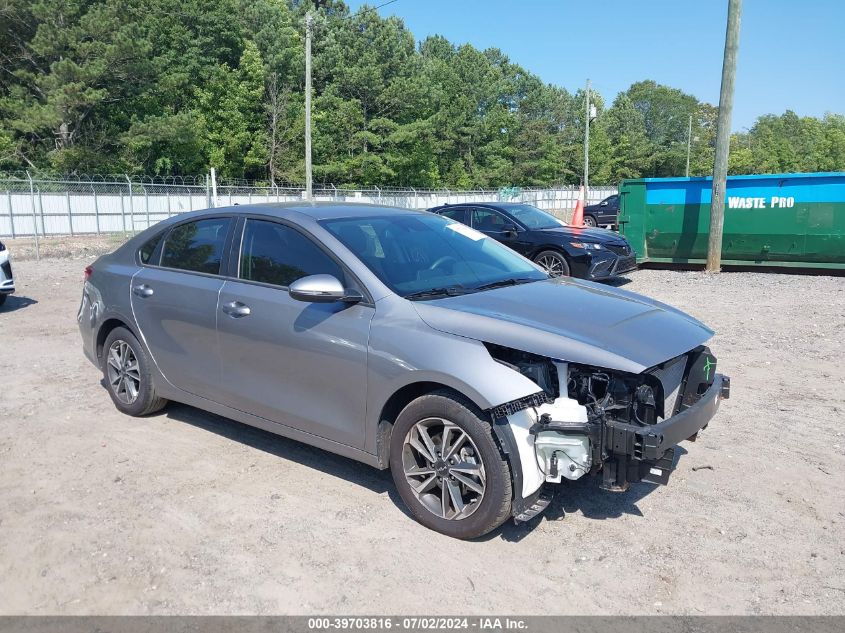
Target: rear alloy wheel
x=448, y=468
x=554, y=263
x=124, y=375
x=589, y=221
x=126, y=368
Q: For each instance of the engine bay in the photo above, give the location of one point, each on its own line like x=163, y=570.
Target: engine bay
x=591, y=420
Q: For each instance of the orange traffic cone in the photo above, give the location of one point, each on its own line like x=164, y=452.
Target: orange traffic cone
x=578, y=214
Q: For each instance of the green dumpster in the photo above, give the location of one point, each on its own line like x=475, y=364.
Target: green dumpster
x=793, y=220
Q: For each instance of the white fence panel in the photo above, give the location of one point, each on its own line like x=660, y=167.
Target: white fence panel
x=67, y=207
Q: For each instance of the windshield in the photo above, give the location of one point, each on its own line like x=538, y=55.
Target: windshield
x=415, y=254
x=534, y=218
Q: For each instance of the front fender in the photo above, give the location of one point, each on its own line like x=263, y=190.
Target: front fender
x=404, y=350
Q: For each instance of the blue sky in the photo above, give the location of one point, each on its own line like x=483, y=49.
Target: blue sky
x=791, y=53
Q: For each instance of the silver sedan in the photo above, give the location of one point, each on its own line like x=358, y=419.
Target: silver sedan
x=406, y=341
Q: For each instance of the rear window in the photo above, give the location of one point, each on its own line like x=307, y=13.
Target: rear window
x=196, y=246
x=147, y=250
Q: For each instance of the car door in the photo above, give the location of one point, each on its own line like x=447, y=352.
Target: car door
x=495, y=224
x=608, y=210
x=299, y=364
x=174, y=302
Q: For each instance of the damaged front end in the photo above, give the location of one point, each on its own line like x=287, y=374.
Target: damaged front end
x=621, y=426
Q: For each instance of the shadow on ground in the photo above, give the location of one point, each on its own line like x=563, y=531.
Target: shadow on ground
x=335, y=465
x=616, y=282
x=16, y=302
x=583, y=496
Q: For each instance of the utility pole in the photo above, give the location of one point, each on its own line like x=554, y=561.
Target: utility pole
x=586, y=139
x=308, y=24
x=213, y=187
x=723, y=138
x=689, y=142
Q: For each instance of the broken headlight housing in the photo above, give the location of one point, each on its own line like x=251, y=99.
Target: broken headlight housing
x=636, y=399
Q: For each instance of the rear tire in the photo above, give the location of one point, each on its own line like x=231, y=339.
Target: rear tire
x=3, y=299
x=127, y=372
x=554, y=263
x=465, y=490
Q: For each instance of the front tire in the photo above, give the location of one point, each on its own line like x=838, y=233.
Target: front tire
x=554, y=263
x=127, y=371
x=3, y=299
x=590, y=221
x=448, y=468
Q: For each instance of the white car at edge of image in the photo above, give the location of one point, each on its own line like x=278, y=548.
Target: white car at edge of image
x=7, y=282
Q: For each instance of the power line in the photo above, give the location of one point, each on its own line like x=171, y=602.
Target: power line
x=376, y=8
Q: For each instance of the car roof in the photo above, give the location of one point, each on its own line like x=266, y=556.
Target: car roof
x=498, y=205
x=503, y=206
x=315, y=210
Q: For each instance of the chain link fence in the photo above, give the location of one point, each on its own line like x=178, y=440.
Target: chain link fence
x=123, y=204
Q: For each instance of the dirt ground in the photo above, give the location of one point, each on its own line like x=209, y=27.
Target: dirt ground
x=186, y=512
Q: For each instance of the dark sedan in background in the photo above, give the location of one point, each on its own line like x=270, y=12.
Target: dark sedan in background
x=604, y=213
x=584, y=252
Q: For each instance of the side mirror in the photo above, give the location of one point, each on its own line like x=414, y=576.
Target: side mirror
x=509, y=230
x=603, y=204
x=321, y=289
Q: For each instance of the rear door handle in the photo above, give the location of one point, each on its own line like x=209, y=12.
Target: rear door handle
x=143, y=290
x=235, y=309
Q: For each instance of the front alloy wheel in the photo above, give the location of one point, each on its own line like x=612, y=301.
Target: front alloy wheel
x=554, y=263
x=442, y=468
x=448, y=467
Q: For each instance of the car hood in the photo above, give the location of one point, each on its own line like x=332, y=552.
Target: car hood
x=570, y=320
x=587, y=234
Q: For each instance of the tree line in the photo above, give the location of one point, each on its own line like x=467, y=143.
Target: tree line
x=173, y=87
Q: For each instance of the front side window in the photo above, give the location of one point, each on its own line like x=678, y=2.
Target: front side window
x=489, y=220
x=273, y=253
x=534, y=218
x=196, y=246
x=415, y=253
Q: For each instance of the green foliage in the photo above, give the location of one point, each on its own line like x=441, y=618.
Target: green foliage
x=789, y=143
x=178, y=86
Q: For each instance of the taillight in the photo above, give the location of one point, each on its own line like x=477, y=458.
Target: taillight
x=88, y=271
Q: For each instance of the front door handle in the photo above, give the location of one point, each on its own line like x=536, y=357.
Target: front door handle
x=235, y=309
x=143, y=290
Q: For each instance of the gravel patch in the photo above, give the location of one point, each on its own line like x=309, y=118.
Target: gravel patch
x=186, y=512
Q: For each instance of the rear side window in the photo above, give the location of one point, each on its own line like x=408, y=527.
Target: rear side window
x=277, y=254
x=147, y=250
x=196, y=246
x=459, y=215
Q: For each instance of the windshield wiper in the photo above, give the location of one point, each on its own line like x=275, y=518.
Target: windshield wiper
x=510, y=281
x=450, y=291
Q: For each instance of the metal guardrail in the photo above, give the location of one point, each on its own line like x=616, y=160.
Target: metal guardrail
x=42, y=207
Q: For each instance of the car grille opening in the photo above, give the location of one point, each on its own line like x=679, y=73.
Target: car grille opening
x=670, y=375
x=619, y=249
